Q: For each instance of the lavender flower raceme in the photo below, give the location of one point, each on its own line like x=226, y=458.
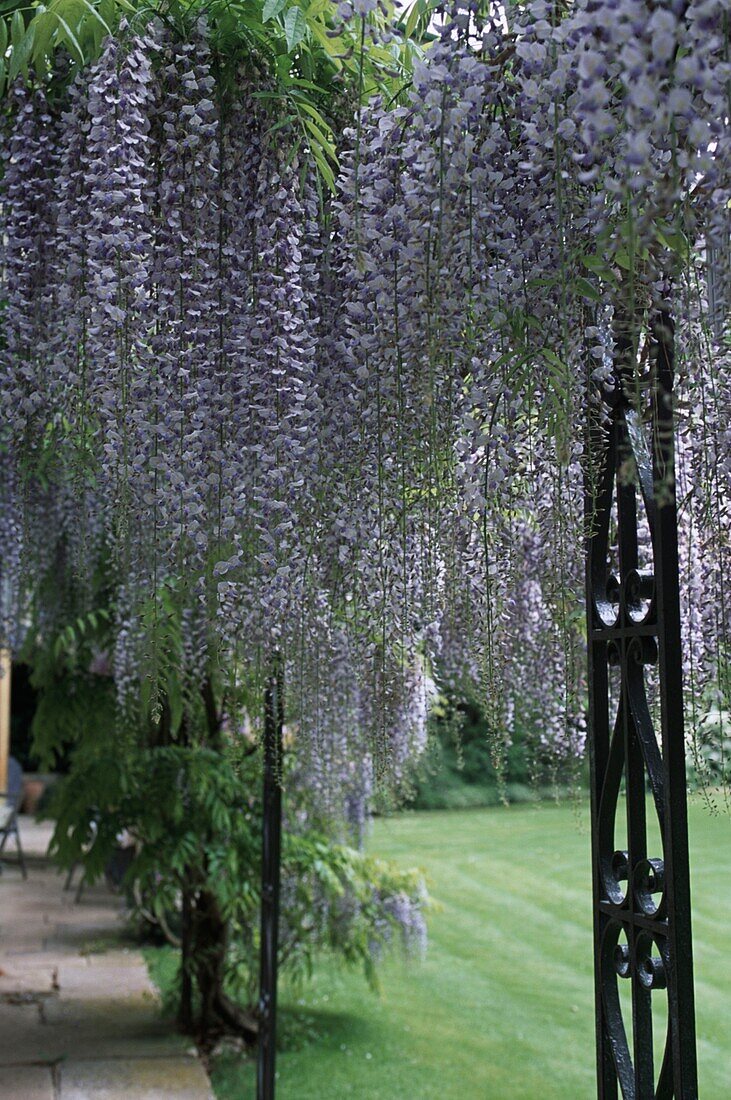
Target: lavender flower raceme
x=351, y=427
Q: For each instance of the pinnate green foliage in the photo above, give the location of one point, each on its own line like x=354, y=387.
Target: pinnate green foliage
x=310, y=59
x=189, y=803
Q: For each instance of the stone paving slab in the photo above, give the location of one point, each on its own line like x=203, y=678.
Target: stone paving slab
x=124, y=974
x=109, y=1028
x=27, y=1083
x=79, y=1016
x=120, y=1079
x=112, y=1027
x=19, y=1024
x=26, y=983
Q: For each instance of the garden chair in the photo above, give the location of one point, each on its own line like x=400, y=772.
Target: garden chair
x=10, y=802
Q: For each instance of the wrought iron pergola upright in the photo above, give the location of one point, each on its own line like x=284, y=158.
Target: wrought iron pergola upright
x=270, y=880
x=642, y=925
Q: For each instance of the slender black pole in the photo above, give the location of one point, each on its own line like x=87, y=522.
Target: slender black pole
x=270, y=880
x=681, y=993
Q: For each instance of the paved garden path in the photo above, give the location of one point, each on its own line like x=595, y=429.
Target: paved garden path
x=78, y=1016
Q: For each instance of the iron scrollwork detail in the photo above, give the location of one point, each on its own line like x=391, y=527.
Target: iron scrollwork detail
x=641, y=897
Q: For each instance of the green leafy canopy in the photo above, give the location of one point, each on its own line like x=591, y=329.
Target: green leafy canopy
x=317, y=67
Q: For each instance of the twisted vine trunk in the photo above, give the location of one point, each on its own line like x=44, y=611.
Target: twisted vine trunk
x=204, y=944
x=217, y=1011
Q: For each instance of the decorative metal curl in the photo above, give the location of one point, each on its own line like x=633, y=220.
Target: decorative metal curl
x=641, y=897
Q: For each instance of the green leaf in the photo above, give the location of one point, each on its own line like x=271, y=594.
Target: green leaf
x=3, y=38
x=413, y=19
x=673, y=239
x=599, y=266
x=20, y=54
x=108, y=11
x=325, y=170
x=595, y=263
x=296, y=82
x=45, y=25
x=418, y=19
x=331, y=45
x=295, y=27
x=325, y=144
x=283, y=122
x=17, y=29
x=283, y=64
x=588, y=290
x=96, y=14
x=305, y=105
x=71, y=39
x=272, y=8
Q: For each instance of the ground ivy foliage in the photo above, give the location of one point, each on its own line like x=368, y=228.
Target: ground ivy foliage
x=329, y=369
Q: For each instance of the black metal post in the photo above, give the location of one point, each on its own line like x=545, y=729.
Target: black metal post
x=642, y=926
x=270, y=880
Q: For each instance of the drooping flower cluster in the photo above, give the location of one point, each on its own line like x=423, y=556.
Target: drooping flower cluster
x=353, y=428
x=541, y=190
x=165, y=266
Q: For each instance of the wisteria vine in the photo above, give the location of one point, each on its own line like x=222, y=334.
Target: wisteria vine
x=352, y=427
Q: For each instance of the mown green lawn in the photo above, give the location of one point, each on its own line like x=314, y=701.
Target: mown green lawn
x=502, y=1008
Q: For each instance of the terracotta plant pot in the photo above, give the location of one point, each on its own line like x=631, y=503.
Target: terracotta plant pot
x=33, y=790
